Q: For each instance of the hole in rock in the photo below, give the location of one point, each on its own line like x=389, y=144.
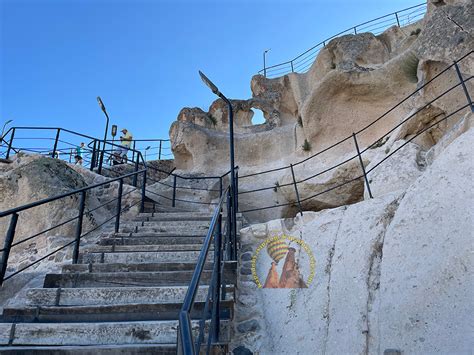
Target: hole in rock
x=257, y=117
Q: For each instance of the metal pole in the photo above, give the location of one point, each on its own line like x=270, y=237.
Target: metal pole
x=159, y=151
x=458, y=71
x=217, y=286
x=133, y=152
x=174, y=191
x=229, y=229
x=10, y=144
x=70, y=155
x=264, y=65
x=296, y=189
x=292, y=70
x=142, y=204
x=362, y=165
x=136, y=169
x=355, y=31
x=119, y=206
x=7, y=245
x=56, y=143
x=94, y=156
x=75, y=254
x=398, y=21
x=220, y=186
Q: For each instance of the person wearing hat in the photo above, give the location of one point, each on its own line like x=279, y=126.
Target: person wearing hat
x=125, y=142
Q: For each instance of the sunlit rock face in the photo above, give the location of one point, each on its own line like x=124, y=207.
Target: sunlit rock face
x=354, y=80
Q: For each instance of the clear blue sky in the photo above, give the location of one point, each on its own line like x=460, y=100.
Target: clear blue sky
x=142, y=56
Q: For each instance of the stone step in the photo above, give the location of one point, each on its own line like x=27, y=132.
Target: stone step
x=138, y=240
x=142, y=257
x=130, y=279
x=135, y=349
x=138, y=248
x=142, y=267
x=184, y=216
x=108, y=313
x=106, y=296
x=106, y=333
x=164, y=230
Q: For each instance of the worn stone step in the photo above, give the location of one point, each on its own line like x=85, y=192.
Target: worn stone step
x=138, y=248
x=164, y=230
x=108, y=313
x=142, y=257
x=184, y=216
x=141, y=267
x=130, y=279
x=135, y=349
x=103, y=296
x=134, y=240
x=106, y=333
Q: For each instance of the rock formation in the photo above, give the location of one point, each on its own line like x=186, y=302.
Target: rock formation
x=354, y=80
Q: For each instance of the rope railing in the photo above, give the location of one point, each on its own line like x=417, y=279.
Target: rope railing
x=303, y=62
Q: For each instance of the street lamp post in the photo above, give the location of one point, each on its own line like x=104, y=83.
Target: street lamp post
x=265, y=62
x=146, y=150
x=233, y=185
x=101, y=104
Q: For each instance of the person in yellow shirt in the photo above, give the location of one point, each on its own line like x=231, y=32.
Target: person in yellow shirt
x=125, y=143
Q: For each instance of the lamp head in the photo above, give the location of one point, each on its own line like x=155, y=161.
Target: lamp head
x=209, y=84
x=101, y=104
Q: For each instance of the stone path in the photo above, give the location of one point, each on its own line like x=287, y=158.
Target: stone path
x=124, y=295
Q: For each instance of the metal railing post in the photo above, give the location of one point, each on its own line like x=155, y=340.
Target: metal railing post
x=468, y=97
x=142, y=204
x=355, y=31
x=10, y=142
x=119, y=206
x=56, y=143
x=7, y=245
x=296, y=189
x=362, y=166
x=159, y=151
x=70, y=155
x=398, y=21
x=292, y=70
x=133, y=152
x=217, y=285
x=101, y=159
x=135, y=177
x=93, y=157
x=174, y=191
x=229, y=229
x=82, y=204
x=237, y=190
x=220, y=186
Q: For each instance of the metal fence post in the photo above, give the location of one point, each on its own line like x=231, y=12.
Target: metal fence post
x=174, y=191
x=70, y=155
x=398, y=21
x=159, y=151
x=217, y=285
x=56, y=143
x=133, y=152
x=75, y=254
x=101, y=159
x=7, y=245
x=134, y=183
x=93, y=158
x=119, y=205
x=220, y=186
x=296, y=189
x=142, y=204
x=355, y=30
x=458, y=71
x=229, y=229
x=362, y=165
x=292, y=70
x=237, y=190
x=10, y=142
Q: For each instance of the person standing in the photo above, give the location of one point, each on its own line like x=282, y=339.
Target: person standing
x=125, y=143
x=79, y=153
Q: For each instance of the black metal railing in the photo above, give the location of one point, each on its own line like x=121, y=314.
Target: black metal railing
x=80, y=195
x=303, y=62
x=452, y=70
x=225, y=250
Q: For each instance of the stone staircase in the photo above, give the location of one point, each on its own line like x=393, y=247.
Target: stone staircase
x=124, y=295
